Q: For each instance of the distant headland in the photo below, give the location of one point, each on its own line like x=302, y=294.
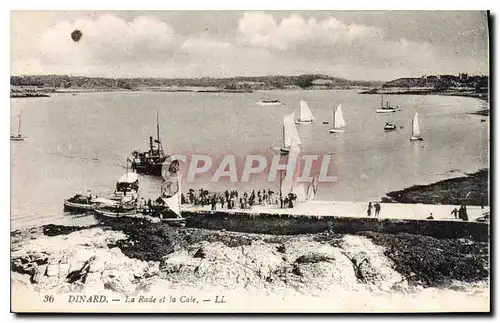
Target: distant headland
x=457, y=85
x=64, y=83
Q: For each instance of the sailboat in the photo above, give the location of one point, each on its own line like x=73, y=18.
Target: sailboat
x=415, y=129
x=312, y=189
x=385, y=109
x=338, y=122
x=389, y=125
x=289, y=184
x=18, y=137
x=305, y=114
x=171, y=195
x=290, y=134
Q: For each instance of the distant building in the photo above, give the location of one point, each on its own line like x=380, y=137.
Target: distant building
x=322, y=82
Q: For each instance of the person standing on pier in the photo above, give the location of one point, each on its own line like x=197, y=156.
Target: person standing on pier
x=455, y=213
x=377, y=209
x=465, y=216
x=369, y=211
x=213, y=202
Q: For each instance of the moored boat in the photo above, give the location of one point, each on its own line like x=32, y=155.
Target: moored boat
x=126, y=186
x=81, y=204
x=115, y=212
x=269, y=102
x=390, y=126
x=149, y=162
x=385, y=108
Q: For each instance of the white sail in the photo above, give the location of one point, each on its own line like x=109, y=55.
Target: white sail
x=415, y=126
x=291, y=133
x=288, y=183
x=173, y=203
x=171, y=193
x=339, y=121
x=311, y=190
x=305, y=114
x=300, y=191
x=310, y=194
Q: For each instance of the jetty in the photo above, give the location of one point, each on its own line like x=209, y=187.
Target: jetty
x=343, y=217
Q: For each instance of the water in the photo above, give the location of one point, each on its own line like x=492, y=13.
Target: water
x=82, y=142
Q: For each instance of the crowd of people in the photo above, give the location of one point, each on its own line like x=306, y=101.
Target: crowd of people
x=461, y=213
x=235, y=200
x=376, y=207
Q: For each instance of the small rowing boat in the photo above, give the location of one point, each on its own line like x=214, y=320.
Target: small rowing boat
x=116, y=213
x=82, y=204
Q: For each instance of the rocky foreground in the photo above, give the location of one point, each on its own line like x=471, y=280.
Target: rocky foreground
x=130, y=256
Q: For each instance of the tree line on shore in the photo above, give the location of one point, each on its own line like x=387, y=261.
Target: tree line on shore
x=253, y=82
x=442, y=82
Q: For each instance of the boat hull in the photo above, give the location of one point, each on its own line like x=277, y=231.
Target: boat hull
x=78, y=207
x=385, y=110
x=284, y=151
x=16, y=138
x=148, y=169
x=114, y=214
x=413, y=138
x=337, y=130
x=268, y=103
x=390, y=127
x=303, y=122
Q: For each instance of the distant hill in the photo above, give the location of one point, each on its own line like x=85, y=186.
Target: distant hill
x=475, y=86
x=233, y=83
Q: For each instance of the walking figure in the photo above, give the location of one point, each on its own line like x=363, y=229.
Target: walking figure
x=377, y=209
x=369, y=211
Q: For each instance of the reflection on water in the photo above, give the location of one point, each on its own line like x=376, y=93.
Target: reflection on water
x=82, y=142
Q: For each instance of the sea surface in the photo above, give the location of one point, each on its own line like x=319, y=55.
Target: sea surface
x=80, y=142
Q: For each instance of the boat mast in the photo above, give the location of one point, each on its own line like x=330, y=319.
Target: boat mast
x=158, y=130
x=333, y=118
x=283, y=136
x=19, y=124
x=281, y=174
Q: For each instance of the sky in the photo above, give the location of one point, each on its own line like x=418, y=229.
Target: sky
x=358, y=45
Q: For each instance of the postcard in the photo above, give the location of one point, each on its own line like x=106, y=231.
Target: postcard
x=250, y=161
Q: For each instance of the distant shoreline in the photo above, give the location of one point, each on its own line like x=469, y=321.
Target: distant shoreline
x=425, y=91
x=26, y=92
x=29, y=92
